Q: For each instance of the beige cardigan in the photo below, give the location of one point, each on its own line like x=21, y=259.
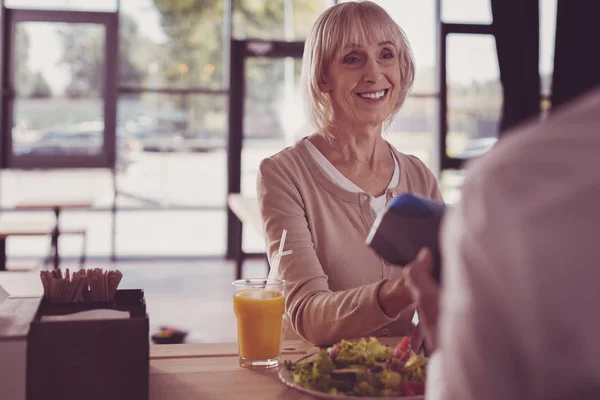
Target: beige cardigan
x=332, y=277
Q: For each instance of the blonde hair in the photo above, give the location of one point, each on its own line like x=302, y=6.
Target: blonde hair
x=338, y=27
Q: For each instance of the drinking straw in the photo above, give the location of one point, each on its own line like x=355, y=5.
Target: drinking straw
x=277, y=258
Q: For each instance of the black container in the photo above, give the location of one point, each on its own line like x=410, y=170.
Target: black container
x=93, y=359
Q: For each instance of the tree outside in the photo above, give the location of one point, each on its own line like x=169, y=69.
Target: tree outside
x=40, y=88
x=194, y=56
x=83, y=53
x=190, y=57
x=23, y=74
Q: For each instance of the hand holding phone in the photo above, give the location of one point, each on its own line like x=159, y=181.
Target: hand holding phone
x=409, y=223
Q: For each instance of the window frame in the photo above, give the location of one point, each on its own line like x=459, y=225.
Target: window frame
x=104, y=159
x=445, y=161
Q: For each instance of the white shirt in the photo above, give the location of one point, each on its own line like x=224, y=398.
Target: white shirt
x=521, y=268
x=377, y=203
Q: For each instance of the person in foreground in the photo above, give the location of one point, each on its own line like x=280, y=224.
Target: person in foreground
x=518, y=312
x=327, y=188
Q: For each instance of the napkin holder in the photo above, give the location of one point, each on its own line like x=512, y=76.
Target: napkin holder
x=90, y=359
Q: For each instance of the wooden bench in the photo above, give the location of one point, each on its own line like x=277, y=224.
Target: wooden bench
x=25, y=228
x=57, y=204
x=42, y=227
x=14, y=227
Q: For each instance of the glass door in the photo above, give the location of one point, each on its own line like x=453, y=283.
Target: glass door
x=261, y=122
x=273, y=119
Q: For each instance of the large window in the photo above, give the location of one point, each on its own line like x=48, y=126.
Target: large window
x=167, y=193
x=473, y=91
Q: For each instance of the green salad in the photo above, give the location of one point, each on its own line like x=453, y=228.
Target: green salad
x=363, y=368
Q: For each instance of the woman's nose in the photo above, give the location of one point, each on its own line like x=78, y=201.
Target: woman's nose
x=372, y=72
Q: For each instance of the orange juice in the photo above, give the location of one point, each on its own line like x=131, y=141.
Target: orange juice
x=259, y=319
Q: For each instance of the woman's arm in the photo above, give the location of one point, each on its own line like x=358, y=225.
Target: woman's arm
x=316, y=313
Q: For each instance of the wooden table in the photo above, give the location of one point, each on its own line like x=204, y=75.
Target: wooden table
x=198, y=371
x=211, y=371
x=56, y=204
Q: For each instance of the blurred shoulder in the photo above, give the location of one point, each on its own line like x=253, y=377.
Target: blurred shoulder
x=289, y=166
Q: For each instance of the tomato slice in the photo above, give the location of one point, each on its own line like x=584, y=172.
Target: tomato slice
x=404, y=343
x=402, y=350
x=413, y=388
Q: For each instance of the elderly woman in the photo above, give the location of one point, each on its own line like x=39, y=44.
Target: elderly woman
x=327, y=188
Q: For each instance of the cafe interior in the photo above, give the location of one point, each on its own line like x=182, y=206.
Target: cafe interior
x=131, y=135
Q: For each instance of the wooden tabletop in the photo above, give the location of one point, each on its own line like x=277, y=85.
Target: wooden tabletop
x=16, y=314
x=56, y=202
x=211, y=371
x=216, y=349
x=25, y=228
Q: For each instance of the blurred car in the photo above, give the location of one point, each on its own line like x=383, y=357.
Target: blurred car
x=172, y=143
x=84, y=138
x=169, y=135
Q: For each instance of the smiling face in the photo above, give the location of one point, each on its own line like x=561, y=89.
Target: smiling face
x=363, y=82
x=357, y=68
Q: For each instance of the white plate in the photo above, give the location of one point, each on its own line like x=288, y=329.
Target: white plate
x=286, y=377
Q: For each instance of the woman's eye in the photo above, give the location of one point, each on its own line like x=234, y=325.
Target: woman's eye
x=387, y=55
x=351, y=59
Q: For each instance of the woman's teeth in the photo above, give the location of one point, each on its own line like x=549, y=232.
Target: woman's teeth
x=374, y=96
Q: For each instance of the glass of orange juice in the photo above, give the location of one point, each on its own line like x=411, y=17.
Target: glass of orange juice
x=259, y=309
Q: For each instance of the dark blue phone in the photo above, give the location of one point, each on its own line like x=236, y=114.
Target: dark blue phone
x=409, y=223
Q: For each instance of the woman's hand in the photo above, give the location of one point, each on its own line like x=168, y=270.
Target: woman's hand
x=426, y=294
x=394, y=297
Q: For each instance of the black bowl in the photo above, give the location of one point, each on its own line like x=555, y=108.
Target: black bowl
x=174, y=338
